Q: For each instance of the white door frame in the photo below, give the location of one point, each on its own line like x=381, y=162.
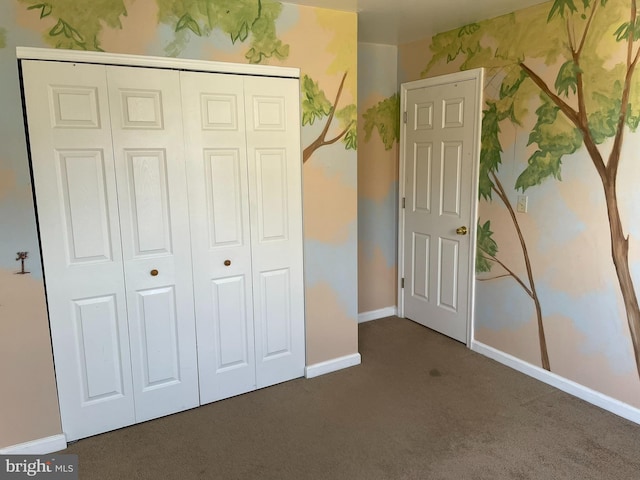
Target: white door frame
x=477, y=75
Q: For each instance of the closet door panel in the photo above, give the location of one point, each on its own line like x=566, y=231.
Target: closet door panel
x=76, y=197
x=219, y=213
x=159, y=337
x=274, y=167
x=146, y=116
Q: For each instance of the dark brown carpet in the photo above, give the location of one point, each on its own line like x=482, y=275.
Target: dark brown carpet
x=420, y=406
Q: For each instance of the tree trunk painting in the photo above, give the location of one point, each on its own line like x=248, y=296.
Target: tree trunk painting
x=607, y=171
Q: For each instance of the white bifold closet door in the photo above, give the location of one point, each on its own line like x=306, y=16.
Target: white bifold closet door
x=170, y=216
x=108, y=166
x=243, y=164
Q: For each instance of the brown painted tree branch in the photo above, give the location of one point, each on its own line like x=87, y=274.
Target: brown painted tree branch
x=587, y=28
x=321, y=140
x=570, y=35
x=544, y=354
x=488, y=279
x=511, y=273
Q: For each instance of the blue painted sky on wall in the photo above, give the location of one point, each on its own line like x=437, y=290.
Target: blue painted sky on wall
x=332, y=263
x=597, y=316
x=377, y=225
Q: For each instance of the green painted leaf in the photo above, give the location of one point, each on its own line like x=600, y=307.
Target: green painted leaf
x=186, y=21
x=510, y=85
x=560, y=7
x=45, y=9
x=78, y=25
x=486, y=245
x=567, y=78
x=348, y=117
x=264, y=41
x=490, y=150
x=350, y=140
x=385, y=118
x=555, y=138
x=314, y=102
x=603, y=122
x=245, y=21
x=622, y=32
x=241, y=33
x=57, y=29
x=469, y=29
x=633, y=120
x=73, y=34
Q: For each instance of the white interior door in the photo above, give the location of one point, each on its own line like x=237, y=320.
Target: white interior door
x=146, y=118
x=440, y=156
x=274, y=167
x=75, y=185
x=220, y=234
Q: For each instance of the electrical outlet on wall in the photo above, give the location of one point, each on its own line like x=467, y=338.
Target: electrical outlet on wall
x=522, y=204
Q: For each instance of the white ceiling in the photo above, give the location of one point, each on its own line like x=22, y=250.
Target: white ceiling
x=394, y=22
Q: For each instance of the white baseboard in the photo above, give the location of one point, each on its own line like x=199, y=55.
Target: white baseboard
x=41, y=446
x=329, y=366
x=588, y=395
x=376, y=314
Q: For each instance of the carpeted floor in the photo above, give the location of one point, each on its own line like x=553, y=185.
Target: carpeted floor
x=420, y=406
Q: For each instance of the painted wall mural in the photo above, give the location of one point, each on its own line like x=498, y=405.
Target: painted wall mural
x=322, y=43
x=315, y=106
x=557, y=286
x=378, y=131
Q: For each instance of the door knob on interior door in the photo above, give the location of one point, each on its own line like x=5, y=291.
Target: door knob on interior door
x=461, y=230
x=154, y=273
x=227, y=263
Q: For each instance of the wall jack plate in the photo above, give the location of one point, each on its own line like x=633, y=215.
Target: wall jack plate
x=522, y=205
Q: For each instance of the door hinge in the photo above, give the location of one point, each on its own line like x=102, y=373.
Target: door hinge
x=404, y=202
x=402, y=283
x=404, y=117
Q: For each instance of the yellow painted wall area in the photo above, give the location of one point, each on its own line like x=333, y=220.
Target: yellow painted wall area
x=322, y=43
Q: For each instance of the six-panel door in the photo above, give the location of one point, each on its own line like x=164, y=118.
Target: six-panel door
x=438, y=157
